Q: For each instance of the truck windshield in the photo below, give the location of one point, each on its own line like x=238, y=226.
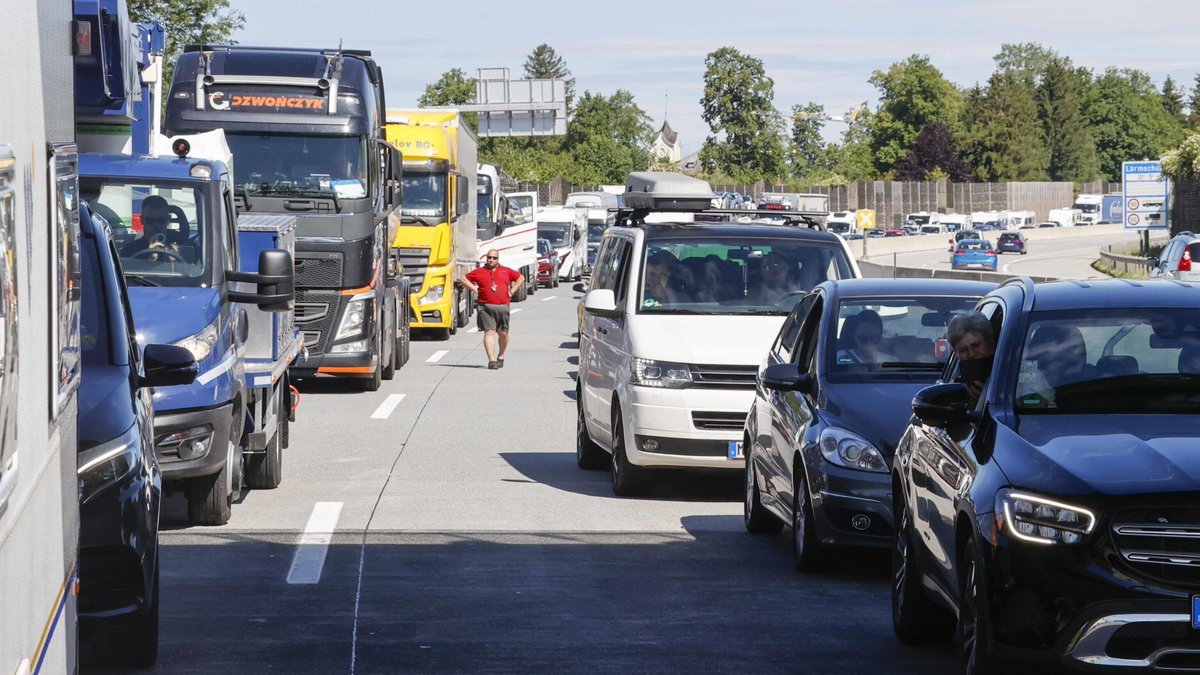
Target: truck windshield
x=714, y=275
x=1088, y=208
x=161, y=229
x=483, y=213
x=558, y=234
x=425, y=195
x=596, y=230
x=297, y=164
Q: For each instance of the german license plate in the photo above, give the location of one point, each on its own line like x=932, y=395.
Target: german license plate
x=1196, y=612
x=735, y=450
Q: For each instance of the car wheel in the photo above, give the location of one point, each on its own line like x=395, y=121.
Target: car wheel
x=916, y=618
x=755, y=516
x=628, y=479
x=208, y=498
x=807, y=552
x=588, y=455
x=973, y=631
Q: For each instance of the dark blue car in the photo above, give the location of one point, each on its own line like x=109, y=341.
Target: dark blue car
x=832, y=398
x=119, y=480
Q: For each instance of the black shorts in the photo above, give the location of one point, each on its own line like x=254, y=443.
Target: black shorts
x=493, y=317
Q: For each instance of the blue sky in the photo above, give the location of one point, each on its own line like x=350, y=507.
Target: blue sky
x=814, y=51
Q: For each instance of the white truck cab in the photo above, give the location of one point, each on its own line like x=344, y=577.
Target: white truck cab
x=678, y=317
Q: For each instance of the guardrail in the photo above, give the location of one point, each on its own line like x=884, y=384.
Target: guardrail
x=1130, y=265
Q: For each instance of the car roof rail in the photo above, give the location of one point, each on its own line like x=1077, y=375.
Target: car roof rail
x=627, y=217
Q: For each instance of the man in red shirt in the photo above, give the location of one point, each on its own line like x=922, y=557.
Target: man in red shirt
x=494, y=284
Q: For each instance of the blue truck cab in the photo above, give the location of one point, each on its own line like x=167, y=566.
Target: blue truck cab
x=175, y=228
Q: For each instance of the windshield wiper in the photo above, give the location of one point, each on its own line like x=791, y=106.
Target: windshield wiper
x=408, y=218
x=140, y=281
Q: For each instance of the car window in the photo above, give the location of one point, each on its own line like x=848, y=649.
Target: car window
x=806, y=348
x=785, y=342
x=620, y=276
x=603, y=266
x=94, y=328
x=1111, y=362
x=894, y=337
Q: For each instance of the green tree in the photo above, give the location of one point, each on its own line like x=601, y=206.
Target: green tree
x=913, y=94
x=747, y=132
x=188, y=22
x=1128, y=120
x=1061, y=96
x=1005, y=140
x=1029, y=61
x=608, y=137
x=543, y=63
x=852, y=159
x=452, y=88
x=934, y=154
x=1172, y=100
x=1193, y=119
x=807, y=152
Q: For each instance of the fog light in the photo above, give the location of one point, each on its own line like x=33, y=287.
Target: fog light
x=349, y=347
x=187, y=443
x=649, y=445
x=860, y=522
x=193, y=448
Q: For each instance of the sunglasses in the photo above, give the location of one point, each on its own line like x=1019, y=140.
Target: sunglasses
x=492, y=257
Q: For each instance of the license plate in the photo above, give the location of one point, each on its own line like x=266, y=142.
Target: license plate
x=1196, y=612
x=735, y=450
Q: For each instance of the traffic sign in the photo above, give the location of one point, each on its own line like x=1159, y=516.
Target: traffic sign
x=1147, y=196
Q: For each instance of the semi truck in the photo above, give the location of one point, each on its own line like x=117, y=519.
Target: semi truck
x=499, y=226
x=1090, y=212
x=306, y=129
x=433, y=237
x=40, y=323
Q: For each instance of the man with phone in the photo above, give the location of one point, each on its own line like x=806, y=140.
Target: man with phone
x=494, y=284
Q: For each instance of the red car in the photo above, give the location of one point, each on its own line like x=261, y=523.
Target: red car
x=547, y=264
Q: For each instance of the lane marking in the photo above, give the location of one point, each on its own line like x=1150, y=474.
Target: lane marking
x=436, y=356
x=474, y=329
x=515, y=310
x=549, y=298
x=386, y=408
x=314, y=543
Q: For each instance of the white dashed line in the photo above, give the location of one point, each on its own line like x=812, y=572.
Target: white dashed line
x=515, y=310
x=314, y=544
x=549, y=298
x=386, y=408
x=436, y=356
x=474, y=329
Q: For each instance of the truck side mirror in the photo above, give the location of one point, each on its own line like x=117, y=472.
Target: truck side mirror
x=167, y=365
x=276, y=281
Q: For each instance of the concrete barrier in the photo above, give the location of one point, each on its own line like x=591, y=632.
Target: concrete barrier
x=932, y=242
x=875, y=270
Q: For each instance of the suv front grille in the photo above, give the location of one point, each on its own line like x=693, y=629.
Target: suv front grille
x=718, y=421
x=724, y=377
x=1161, y=543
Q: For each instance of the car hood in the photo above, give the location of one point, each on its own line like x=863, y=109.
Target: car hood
x=704, y=340
x=1105, y=454
x=167, y=314
x=879, y=412
x=105, y=409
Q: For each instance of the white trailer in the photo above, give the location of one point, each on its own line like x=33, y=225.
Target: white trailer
x=1067, y=217
x=39, y=319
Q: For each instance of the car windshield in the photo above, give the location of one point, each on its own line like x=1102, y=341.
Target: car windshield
x=1122, y=361
x=973, y=245
x=161, y=229
x=298, y=164
x=596, y=230
x=424, y=196
x=736, y=275
x=558, y=234
x=1010, y=237
x=544, y=247
x=891, y=338
x=931, y=229
x=965, y=234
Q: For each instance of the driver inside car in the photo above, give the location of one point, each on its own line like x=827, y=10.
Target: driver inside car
x=777, y=282
x=156, y=236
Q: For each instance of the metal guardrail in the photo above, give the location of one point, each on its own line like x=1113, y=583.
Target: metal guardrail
x=1133, y=265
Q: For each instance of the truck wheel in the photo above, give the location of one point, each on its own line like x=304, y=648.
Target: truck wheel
x=454, y=316
x=264, y=471
x=389, y=371
x=208, y=499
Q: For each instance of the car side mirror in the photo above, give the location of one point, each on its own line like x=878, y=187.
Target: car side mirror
x=1152, y=262
x=942, y=404
x=601, y=302
x=276, y=281
x=167, y=365
x=787, y=377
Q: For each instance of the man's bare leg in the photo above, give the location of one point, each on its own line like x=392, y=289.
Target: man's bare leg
x=503, y=335
x=489, y=345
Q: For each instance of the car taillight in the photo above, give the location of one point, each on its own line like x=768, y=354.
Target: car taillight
x=1185, y=263
x=991, y=252
x=960, y=253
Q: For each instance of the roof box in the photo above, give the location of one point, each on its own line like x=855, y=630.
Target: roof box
x=667, y=191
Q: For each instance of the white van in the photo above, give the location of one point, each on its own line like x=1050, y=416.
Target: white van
x=677, y=319
x=566, y=230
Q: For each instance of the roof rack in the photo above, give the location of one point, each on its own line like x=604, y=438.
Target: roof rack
x=627, y=217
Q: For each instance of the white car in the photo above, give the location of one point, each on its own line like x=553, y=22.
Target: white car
x=676, y=321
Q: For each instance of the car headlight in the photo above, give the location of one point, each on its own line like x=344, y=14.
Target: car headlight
x=434, y=295
x=349, y=347
x=202, y=343
x=1043, y=521
x=851, y=451
x=651, y=373
x=355, y=316
x=108, y=463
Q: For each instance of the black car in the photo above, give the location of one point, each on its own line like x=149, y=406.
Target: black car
x=832, y=400
x=119, y=480
x=1056, y=519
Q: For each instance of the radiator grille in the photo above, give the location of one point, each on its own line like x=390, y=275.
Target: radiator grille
x=1161, y=543
x=724, y=377
x=718, y=421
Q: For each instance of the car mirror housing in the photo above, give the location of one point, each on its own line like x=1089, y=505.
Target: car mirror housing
x=275, y=279
x=942, y=404
x=601, y=302
x=787, y=377
x=1151, y=262
x=167, y=365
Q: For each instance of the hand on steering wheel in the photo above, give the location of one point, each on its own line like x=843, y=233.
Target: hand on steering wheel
x=175, y=256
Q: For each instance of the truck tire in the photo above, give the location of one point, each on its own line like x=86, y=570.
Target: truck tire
x=389, y=371
x=207, y=499
x=264, y=471
x=454, y=317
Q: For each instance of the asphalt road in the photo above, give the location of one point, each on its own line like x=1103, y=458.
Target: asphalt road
x=462, y=538
x=1069, y=258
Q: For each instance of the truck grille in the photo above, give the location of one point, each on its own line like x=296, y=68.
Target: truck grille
x=415, y=262
x=316, y=312
x=1162, y=543
x=719, y=421
x=724, y=377
x=315, y=269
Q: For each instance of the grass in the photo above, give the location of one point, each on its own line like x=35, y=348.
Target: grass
x=1100, y=267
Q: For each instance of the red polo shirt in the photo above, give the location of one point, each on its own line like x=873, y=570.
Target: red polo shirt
x=502, y=277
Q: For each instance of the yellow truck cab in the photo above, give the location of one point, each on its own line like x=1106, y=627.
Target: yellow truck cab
x=433, y=235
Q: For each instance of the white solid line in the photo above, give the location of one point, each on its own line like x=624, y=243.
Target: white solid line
x=515, y=310
x=436, y=356
x=474, y=329
x=314, y=544
x=385, y=409
x=549, y=298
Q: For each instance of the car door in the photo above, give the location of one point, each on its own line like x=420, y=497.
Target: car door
x=1169, y=260
x=610, y=350
x=768, y=399
x=794, y=414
